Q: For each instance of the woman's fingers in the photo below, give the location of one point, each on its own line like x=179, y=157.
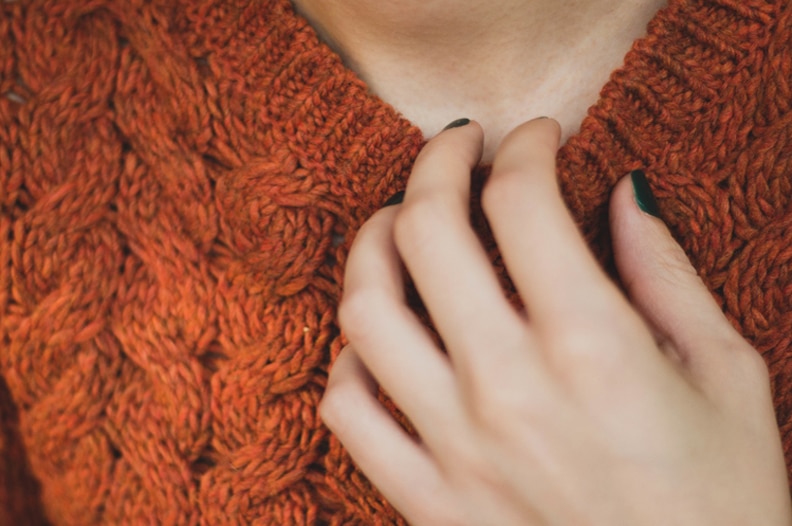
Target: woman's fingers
x=558, y=278
x=389, y=338
x=446, y=260
x=394, y=462
x=665, y=288
x=538, y=440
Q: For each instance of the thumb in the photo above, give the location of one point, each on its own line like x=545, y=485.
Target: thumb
x=663, y=285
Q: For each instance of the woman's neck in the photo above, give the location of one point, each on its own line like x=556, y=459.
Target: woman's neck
x=498, y=61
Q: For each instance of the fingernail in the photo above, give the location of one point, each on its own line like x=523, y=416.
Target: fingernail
x=395, y=199
x=540, y=118
x=457, y=124
x=643, y=193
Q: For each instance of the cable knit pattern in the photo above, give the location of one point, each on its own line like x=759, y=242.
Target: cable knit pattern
x=180, y=181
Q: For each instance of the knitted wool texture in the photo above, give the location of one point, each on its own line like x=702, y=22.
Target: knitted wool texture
x=180, y=181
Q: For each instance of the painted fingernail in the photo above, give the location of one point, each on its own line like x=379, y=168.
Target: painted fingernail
x=457, y=124
x=395, y=199
x=643, y=193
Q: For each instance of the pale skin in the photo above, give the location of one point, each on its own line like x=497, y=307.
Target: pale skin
x=592, y=406
x=500, y=62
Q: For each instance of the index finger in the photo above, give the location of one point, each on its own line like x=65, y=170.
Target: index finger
x=552, y=267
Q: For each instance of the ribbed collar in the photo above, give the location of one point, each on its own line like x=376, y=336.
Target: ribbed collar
x=661, y=97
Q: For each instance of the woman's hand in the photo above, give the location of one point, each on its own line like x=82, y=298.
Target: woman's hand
x=588, y=408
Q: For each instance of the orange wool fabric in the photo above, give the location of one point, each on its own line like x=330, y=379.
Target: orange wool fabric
x=180, y=181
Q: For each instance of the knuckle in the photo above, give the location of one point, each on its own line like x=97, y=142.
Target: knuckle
x=493, y=409
x=487, y=412
x=590, y=337
x=497, y=393
x=746, y=378
x=334, y=405
x=418, y=223
x=595, y=355
x=367, y=229
x=503, y=190
x=356, y=312
x=576, y=342
x=336, y=408
x=751, y=363
x=582, y=356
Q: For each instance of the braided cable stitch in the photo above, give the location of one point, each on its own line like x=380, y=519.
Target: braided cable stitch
x=180, y=181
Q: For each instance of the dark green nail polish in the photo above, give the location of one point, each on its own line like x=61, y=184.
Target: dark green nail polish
x=395, y=199
x=643, y=193
x=457, y=124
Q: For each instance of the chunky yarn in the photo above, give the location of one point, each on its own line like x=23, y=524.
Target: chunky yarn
x=180, y=181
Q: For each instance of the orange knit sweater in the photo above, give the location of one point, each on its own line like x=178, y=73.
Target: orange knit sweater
x=180, y=181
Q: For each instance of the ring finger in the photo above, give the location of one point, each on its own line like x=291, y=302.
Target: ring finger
x=390, y=338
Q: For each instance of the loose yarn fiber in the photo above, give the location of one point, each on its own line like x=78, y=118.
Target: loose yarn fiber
x=180, y=181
